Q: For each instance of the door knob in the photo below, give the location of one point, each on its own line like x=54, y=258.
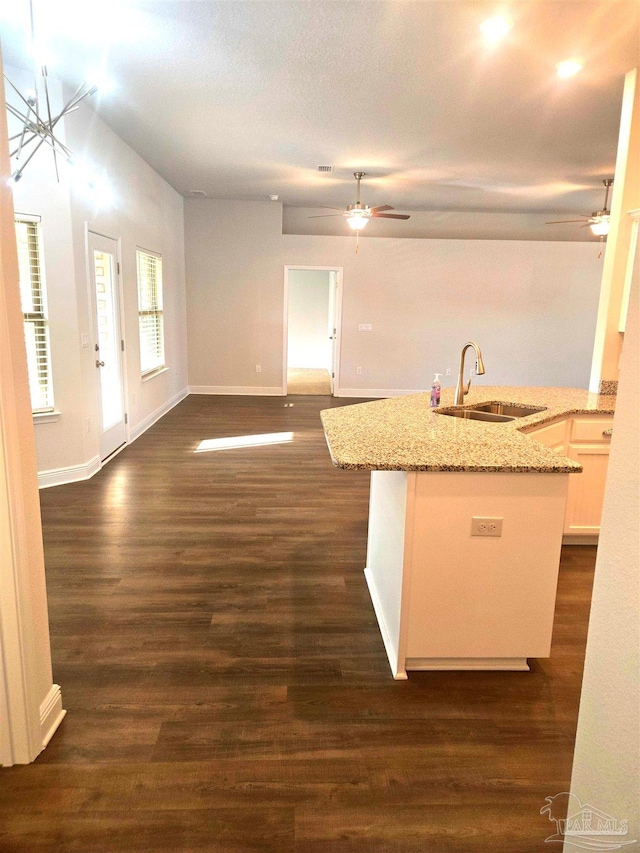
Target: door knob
x=99, y=363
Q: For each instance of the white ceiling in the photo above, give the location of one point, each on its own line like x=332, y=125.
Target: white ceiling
x=242, y=99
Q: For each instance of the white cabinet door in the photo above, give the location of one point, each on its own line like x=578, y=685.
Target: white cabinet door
x=551, y=435
x=581, y=438
x=589, y=446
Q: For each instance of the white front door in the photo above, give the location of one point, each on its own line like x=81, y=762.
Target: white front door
x=108, y=344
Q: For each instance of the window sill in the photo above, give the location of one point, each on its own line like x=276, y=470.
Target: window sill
x=46, y=417
x=153, y=373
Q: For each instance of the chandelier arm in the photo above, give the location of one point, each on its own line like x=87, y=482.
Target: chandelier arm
x=30, y=127
x=22, y=98
x=75, y=100
x=50, y=141
x=77, y=92
x=39, y=127
x=16, y=112
x=21, y=143
x=50, y=123
x=40, y=131
x=29, y=158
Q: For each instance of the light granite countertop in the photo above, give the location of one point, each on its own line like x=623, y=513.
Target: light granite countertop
x=406, y=434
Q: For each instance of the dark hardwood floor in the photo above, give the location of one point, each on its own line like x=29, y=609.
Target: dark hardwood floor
x=226, y=684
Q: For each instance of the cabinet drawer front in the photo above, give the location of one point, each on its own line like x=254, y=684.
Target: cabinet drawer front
x=552, y=435
x=591, y=429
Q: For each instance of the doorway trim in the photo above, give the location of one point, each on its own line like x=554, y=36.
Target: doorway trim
x=97, y=413
x=337, y=323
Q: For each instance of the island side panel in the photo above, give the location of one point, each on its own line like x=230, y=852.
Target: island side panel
x=385, y=557
x=480, y=602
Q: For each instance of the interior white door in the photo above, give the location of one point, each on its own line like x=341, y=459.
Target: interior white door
x=333, y=326
x=103, y=267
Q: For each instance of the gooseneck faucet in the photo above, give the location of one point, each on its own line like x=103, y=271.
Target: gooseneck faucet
x=461, y=388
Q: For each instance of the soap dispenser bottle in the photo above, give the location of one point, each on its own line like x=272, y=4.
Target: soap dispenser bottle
x=435, y=391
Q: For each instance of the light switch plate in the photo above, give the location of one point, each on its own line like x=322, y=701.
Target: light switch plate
x=481, y=526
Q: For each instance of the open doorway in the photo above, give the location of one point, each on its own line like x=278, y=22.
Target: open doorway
x=311, y=329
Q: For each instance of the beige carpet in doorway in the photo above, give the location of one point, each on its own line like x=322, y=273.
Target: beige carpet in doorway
x=308, y=381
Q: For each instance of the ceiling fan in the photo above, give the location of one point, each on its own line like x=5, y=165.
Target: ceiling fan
x=599, y=220
x=357, y=215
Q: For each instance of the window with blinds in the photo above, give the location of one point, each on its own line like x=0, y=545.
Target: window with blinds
x=34, y=313
x=150, y=316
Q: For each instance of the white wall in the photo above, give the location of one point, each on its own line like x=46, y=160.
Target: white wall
x=308, y=343
x=145, y=211
x=531, y=305
x=606, y=768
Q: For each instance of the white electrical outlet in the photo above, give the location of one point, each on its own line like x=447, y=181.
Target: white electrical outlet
x=258, y=368
x=358, y=370
x=486, y=526
x=448, y=371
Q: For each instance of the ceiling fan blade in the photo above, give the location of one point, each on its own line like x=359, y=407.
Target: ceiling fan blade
x=326, y=207
x=391, y=215
x=563, y=221
x=381, y=207
x=322, y=215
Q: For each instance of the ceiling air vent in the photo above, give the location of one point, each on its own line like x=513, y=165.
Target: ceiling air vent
x=325, y=168
x=197, y=193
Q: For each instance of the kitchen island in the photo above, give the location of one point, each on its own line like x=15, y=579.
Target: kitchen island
x=466, y=522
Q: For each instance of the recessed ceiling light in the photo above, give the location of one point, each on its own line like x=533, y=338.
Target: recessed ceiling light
x=493, y=29
x=568, y=68
x=274, y=197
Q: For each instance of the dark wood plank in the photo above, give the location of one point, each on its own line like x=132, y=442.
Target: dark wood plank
x=225, y=680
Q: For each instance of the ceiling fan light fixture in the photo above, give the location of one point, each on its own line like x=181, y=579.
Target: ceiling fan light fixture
x=357, y=219
x=600, y=226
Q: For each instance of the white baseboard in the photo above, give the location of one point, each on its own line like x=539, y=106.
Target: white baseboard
x=150, y=420
x=376, y=392
x=51, y=714
x=399, y=673
x=467, y=664
x=76, y=473
x=70, y=474
x=239, y=390
x=570, y=539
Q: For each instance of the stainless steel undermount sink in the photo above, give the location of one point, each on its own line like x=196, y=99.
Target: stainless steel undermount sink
x=508, y=409
x=496, y=412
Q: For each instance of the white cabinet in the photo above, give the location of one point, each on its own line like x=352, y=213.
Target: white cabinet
x=586, y=440
x=552, y=435
x=588, y=444
x=447, y=599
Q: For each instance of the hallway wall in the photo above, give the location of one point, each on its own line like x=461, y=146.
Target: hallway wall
x=531, y=305
x=142, y=210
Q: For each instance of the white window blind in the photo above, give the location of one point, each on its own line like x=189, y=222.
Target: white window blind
x=150, y=316
x=34, y=313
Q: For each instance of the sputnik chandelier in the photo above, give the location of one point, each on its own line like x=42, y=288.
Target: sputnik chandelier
x=38, y=121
